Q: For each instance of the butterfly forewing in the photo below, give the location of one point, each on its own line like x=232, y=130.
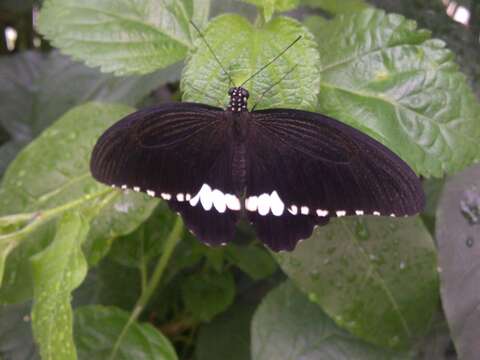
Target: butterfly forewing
x=181, y=153
x=307, y=168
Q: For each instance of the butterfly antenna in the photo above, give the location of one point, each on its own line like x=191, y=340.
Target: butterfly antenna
x=272, y=61
x=272, y=86
x=213, y=53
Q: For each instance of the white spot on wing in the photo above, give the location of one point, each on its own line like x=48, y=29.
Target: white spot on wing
x=304, y=210
x=219, y=201
x=136, y=188
x=251, y=203
x=188, y=197
x=341, y=213
x=124, y=187
x=151, y=193
x=359, y=212
x=264, y=204
x=276, y=204
x=393, y=215
x=166, y=196
x=293, y=210
x=322, y=213
x=376, y=213
x=233, y=203
x=206, y=197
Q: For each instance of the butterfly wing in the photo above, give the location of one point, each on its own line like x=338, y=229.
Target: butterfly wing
x=305, y=168
x=181, y=153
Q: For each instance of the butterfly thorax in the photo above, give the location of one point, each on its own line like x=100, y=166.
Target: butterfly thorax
x=238, y=99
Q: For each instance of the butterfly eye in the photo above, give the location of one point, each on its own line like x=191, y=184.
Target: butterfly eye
x=230, y=91
x=245, y=93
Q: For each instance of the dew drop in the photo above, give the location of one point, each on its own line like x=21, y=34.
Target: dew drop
x=469, y=242
x=402, y=265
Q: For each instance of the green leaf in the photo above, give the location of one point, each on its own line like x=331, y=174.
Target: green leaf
x=57, y=271
x=227, y=336
x=97, y=328
x=244, y=49
x=53, y=173
x=208, y=294
x=38, y=88
x=375, y=277
x=120, y=37
x=288, y=326
x=335, y=6
x=384, y=76
x=457, y=230
x=252, y=260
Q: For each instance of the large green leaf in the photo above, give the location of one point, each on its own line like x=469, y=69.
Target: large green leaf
x=383, y=75
x=243, y=49
x=53, y=173
x=57, y=271
x=458, y=237
x=38, y=88
x=375, y=277
x=98, y=327
x=288, y=326
x=119, y=36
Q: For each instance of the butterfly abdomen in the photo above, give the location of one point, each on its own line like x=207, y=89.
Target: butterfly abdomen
x=239, y=167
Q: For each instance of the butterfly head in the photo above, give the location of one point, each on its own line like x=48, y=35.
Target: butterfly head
x=238, y=99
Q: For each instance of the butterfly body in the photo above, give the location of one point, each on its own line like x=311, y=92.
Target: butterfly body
x=285, y=170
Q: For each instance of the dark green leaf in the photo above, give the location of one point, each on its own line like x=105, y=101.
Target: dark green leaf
x=37, y=89
x=57, y=271
x=251, y=259
x=289, y=327
x=208, y=294
x=53, y=172
x=97, y=328
x=384, y=76
x=375, y=277
x=121, y=37
x=243, y=49
x=458, y=237
x=227, y=336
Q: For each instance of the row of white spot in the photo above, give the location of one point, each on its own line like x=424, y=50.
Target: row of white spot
x=263, y=204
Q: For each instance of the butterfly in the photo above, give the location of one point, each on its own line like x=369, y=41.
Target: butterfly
x=284, y=170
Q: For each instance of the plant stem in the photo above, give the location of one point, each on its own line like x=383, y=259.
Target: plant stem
x=170, y=244
x=40, y=217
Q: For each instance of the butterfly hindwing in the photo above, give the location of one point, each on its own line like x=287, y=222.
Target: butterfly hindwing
x=308, y=168
x=181, y=153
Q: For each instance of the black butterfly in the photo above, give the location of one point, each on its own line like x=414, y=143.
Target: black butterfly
x=284, y=170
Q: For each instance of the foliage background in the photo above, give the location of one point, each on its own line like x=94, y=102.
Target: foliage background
x=92, y=273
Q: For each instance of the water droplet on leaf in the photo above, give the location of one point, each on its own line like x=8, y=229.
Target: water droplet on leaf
x=469, y=242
